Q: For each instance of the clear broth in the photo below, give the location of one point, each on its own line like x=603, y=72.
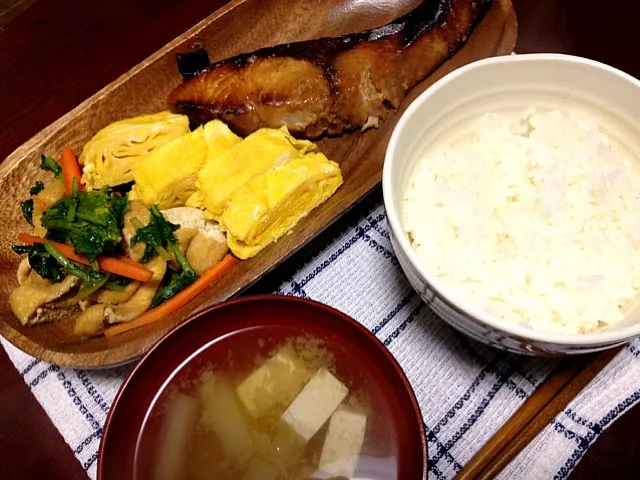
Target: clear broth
x=198, y=453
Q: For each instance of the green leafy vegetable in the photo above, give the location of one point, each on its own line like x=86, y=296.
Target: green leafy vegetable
x=119, y=205
x=89, y=287
x=44, y=264
x=56, y=236
x=42, y=261
x=27, y=210
x=117, y=283
x=158, y=237
x=157, y=234
x=91, y=279
x=91, y=221
x=48, y=163
x=87, y=239
x=27, y=205
x=174, y=283
x=49, y=263
x=21, y=249
x=85, y=273
x=37, y=188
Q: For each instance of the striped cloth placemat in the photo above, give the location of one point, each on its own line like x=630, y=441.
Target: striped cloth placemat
x=466, y=391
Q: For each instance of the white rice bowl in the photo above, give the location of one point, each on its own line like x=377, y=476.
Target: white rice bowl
x=533, y=217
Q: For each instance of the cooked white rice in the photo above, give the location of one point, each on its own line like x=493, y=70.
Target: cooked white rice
x=534, y=218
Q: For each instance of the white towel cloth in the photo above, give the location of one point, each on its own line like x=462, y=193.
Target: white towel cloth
x=466, y=391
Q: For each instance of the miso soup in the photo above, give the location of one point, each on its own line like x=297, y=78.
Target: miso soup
x=252, y=407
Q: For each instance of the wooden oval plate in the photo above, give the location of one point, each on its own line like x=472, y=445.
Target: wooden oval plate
x=240, y=26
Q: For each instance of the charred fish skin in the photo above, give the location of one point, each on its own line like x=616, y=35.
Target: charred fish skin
x=330, y=85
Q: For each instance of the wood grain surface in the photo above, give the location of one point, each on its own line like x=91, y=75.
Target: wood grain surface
x=145, y=88
x=56, y=53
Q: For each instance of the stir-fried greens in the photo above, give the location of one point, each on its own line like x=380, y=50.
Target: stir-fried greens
x=42, y=262
x=78, y=228
x=83, y=232
x=92, y=280
x=50, y=264
x=90, y=220
x=158, y=236
x=117, y=283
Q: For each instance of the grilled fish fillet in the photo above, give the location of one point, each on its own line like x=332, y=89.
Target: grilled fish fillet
x=330, y=85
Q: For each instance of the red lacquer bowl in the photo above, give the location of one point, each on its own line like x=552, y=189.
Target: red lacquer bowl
x=264, y=320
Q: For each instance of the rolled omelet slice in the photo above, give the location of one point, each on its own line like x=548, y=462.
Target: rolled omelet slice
x=269, y=206
x=219, y=138
x=261, y=151
x=167, y=176
x=110, y=157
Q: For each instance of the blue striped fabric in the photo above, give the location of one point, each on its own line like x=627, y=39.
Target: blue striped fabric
x=466, y=391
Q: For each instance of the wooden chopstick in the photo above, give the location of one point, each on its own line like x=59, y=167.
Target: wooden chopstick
x=551, y=398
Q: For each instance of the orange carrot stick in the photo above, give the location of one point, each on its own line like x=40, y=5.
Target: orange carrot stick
x=70, y=169
x=207, y=279
x=66, y=250
x=130, y=261
x=125, y=267
x=118, y=266
x=43, y=205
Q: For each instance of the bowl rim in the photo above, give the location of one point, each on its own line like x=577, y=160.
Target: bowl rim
x=408, y=389
x=616, y=336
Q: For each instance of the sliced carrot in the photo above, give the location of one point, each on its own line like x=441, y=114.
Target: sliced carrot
x=70, y=169
x=118, y=266
x=43, y=205
x=130, y=261
x=125, y=267
x=207, y=279
x=66, y=250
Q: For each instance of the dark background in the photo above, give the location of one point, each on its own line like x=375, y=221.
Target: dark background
x=56, y=53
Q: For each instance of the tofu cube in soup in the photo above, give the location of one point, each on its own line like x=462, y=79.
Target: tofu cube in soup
x=343, y=442
x=315, y=404
x=265, y=388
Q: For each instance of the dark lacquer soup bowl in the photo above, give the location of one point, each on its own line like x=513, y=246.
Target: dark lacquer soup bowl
x=265, y=387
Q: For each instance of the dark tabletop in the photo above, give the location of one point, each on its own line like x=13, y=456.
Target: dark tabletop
x=56, y=53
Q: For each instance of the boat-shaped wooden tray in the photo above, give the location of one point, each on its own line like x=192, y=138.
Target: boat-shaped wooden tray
x=240, y=26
